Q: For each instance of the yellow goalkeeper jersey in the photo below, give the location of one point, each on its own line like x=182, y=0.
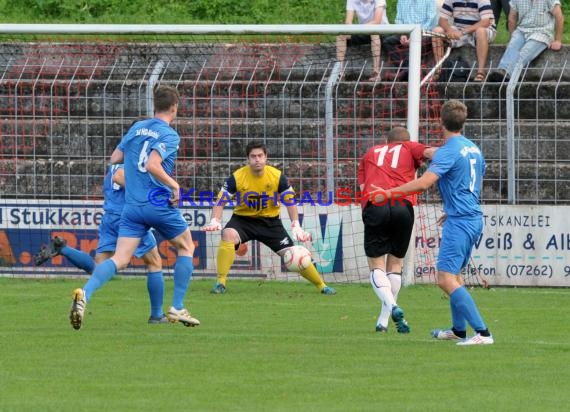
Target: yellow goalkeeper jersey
x=257, y=196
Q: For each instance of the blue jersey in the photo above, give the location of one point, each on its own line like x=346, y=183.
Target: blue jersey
x=460, y=166
x=141, y=139
x=113, y=207
x=113, y=193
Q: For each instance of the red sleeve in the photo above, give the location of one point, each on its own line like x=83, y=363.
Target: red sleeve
x=417, y=150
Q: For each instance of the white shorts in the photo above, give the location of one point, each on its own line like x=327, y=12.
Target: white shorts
x=469, y=38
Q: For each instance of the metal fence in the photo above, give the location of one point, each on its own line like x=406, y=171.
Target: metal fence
x=66, y=103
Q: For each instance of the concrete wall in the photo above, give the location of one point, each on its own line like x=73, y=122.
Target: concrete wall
x=65, y=108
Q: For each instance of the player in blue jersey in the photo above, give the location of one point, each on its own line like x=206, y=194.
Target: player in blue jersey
x=458, y=168
x=148, y=152
x=114, y=195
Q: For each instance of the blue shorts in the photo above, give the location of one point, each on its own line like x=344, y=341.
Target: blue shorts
x=137, y=220
x=109, y=232
x=457, y=240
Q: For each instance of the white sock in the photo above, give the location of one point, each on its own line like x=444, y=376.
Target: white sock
x=395, y=279
x=384, y=317
x=383, y=289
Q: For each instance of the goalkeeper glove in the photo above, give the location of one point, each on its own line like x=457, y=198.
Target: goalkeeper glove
x=214, y=225
x=298, y=233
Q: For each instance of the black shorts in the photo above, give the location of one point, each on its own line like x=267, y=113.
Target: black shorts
x=267, y=230
x=358, y=40
x=387, y=228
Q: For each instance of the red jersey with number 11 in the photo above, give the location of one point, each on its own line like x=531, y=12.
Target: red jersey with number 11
x=390, y=165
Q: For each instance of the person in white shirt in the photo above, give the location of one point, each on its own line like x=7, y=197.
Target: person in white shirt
x=367, y=12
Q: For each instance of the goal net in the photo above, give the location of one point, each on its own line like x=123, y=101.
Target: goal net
x=69, y=93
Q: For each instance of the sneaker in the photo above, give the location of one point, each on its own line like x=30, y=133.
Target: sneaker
x=477, y=340
x=182, y=316
x=52, y=250
x=77, y=309
x=161, y=319
x=218, y=289
x=57, y=244
x=445, y=334
x=398, y=318
x=327, y=290
x=380, y=328
x=43, y=255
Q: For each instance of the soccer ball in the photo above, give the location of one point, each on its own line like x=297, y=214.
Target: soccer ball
x=297, y=258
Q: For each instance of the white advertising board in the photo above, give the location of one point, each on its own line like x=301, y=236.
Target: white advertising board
x=520, y=245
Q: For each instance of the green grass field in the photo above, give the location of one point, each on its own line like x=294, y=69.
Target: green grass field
x=275, y=346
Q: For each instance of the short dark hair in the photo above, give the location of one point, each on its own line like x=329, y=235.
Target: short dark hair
x=255, y=144
x=453, y=115
x=165, y=97
x=398, y=134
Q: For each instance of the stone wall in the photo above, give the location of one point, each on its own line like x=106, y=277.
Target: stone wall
x=64, y=110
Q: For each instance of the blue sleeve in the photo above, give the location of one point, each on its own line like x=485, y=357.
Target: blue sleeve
x=166, y=145
x=116, y=167
x=230, y=185
x=112, y=171
x=283, y=184
x=443, y=160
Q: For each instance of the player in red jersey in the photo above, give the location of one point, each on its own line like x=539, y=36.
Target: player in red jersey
x=388, y=226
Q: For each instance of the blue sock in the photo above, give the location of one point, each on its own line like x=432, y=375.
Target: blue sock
x=182, y=276
x=465, y=305
x=155, y=287
x=79, y=259
x=457, y=319
x=102, y=274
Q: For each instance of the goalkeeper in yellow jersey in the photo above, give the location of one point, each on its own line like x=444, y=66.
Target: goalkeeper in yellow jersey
x=256, y=190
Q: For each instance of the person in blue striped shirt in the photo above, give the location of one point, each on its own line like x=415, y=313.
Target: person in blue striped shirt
x=464, y=23
x=422, y=12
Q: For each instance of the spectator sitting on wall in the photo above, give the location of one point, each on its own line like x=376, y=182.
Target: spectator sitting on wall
x=422, y=12
x=367, y=12
x=472, y=23
x=534, y=26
